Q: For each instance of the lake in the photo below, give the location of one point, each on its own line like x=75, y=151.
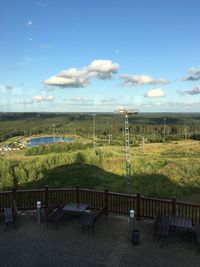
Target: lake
x=47, y=140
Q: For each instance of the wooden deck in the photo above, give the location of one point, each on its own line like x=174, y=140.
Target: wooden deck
x=32, y=244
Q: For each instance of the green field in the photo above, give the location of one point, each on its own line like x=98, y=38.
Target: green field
x=157, y=169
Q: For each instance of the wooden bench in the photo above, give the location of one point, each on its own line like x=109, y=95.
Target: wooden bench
x=156, y=224
x=9, y=218
x=164, y=227
x=54, y=213
x=90, y=220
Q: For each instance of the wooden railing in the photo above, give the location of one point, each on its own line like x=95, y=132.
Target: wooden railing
x=144, y=207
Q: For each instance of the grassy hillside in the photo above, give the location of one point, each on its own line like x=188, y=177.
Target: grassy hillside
x=158, y=170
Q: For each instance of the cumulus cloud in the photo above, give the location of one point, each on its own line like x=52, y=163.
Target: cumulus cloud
x=76, y=78
x=133, y=80
x=194, y=91
x=154, y=93
x=66, y=82
x=120, y=109
x=49, y=98
x=102, y=69
x=193, y=75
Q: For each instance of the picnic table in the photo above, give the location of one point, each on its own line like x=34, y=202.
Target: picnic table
x=76, y=208
x=165, y=223
x=181, y=221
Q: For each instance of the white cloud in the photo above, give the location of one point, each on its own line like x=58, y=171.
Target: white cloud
x=191, y=104
x=102, y=69
x=79, y=99
x=66, y=82
x=194, y=91
x=40, y=98
x=193, y=75
x=49, y=98
x=76, y=78
x=158, y=104
x=29, y=22
x=120, y=109
x=73, y=73
x=170, y=105
x=155, y=93
x=133, y=80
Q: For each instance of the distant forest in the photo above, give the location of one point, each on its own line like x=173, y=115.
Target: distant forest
x=152, y=126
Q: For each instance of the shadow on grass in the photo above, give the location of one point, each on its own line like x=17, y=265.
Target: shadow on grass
x=93, y=177
x=156, y=185
x=85, y=175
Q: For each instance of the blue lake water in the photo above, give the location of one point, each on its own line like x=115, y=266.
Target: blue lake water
x=47, y=140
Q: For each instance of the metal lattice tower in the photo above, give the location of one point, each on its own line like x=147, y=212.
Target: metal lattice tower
x=94, y=131
x=53, y=132
x=122, y=110
x=164, y=126
x=127, y=147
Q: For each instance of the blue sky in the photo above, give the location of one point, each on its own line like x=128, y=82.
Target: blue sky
x=75, y=55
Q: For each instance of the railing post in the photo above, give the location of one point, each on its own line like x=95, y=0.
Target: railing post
x=138, y=206
x=78, y=194
x=106, y=199
x=46, y=197
x=174, y=206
